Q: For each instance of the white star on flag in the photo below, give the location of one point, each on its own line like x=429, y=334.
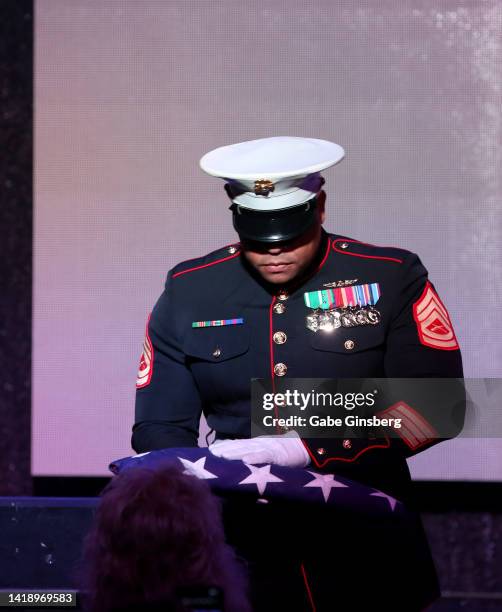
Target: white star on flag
x=260, y=476
x=326, y=482
x=196, y=468
x=392, y=501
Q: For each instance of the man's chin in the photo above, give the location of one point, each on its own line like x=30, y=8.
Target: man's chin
x=278, y=278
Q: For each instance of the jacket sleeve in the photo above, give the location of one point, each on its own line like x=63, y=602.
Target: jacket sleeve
x=168, y=405
x=421, y=343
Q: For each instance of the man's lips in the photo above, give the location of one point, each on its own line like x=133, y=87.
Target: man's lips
x=276, y=267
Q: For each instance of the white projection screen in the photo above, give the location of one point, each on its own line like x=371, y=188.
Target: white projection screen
x=129, y=94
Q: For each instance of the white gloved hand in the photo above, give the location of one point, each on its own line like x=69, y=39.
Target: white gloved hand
x=287, y=450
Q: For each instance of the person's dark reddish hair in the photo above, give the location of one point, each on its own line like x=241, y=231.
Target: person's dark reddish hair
x=157, y=530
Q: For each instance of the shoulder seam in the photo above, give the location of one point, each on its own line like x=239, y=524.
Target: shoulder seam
x=381, y=257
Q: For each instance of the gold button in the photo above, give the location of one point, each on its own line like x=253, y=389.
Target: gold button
x=282, y=295
x=347, y=443
x=349, y=344
x=321, y=451
x=280, y=369
x=279, y=337
x=217, y=352
x=279, y=308
x=344, y=245
x=232, y=250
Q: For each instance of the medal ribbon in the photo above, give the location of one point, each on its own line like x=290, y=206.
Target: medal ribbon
x=217, y=323
x=341, y=297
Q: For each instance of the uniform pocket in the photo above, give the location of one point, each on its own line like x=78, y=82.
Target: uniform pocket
x=348, y=340
x=216, y=344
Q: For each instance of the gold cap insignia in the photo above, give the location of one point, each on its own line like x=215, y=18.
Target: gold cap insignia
x=263, y=187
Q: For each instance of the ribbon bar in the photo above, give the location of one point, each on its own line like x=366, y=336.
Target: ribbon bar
x=218, y=322
x=341, y=297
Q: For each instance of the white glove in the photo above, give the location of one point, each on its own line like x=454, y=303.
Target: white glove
x=287, y=450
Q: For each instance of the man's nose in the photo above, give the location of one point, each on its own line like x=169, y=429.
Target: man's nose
x=275, y=249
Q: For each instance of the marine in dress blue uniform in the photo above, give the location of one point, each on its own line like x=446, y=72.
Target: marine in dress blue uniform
x=220, y=322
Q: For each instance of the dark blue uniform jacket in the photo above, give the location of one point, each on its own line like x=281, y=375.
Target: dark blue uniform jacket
x=186, y=371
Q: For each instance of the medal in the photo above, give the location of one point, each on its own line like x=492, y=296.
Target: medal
x=312, y=322
x=349, y=318
x=337, y=318
x=329, y=320
x=374, y=316
x=342, y=305
x=325, y=322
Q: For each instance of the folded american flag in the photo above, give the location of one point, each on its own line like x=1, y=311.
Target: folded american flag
x=269, y=482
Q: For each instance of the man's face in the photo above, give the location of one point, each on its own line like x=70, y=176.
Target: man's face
x=281, y=262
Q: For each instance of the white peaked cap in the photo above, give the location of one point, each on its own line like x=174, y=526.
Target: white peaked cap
x=273, y=173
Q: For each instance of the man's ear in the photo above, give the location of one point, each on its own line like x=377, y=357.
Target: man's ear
x=321, y=201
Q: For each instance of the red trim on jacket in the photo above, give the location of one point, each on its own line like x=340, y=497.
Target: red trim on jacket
x=321, y=464
x=212, y=263
x=270, y=326
x=325, y=255
x=271, y=349
x=293, y=288
x=270, y=339
x=364, y=256
x=147, y=347
x=307, y=587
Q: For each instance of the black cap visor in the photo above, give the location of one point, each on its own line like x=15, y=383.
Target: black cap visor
x=273, y=226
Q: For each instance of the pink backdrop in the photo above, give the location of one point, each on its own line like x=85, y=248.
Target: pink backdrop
x=128, y=96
